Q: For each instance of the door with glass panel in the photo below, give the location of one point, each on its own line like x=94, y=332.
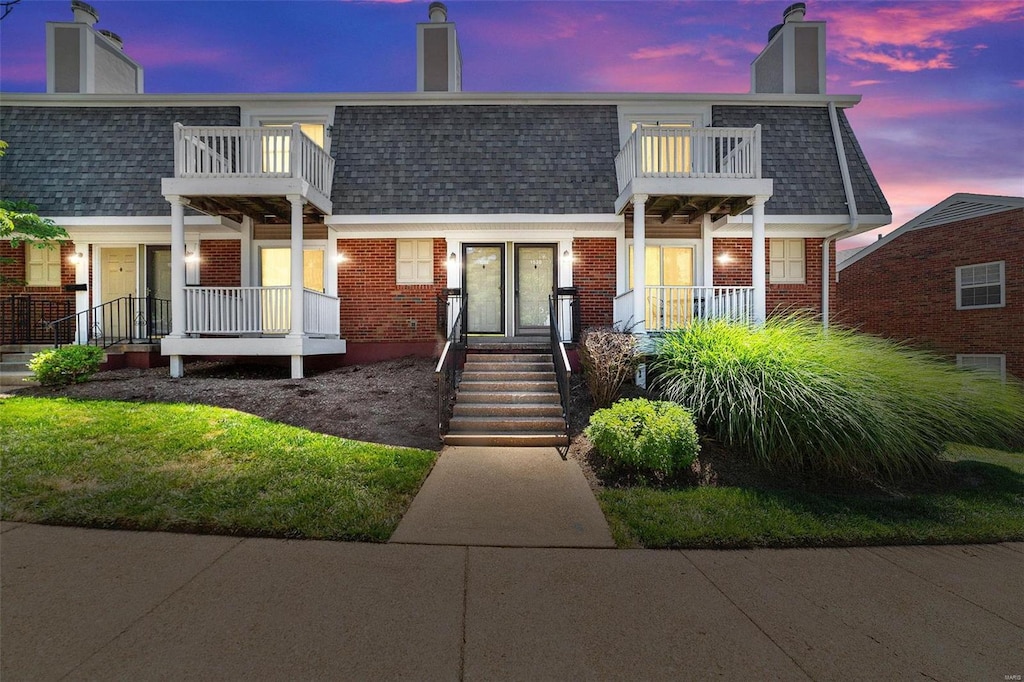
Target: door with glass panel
x=276, y=271
x=158, y=290
x=670, y=301
x=484, y=285
x=535, y=283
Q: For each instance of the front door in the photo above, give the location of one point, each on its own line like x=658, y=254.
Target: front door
x=484, y=282
x=120, y=276
x=535, y=284
x=276, y=271
x=158, y=290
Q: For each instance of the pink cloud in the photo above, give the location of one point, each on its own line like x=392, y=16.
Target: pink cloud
x=1018, y=83
x=861, y=84
x=24, y=71
x=909, y=36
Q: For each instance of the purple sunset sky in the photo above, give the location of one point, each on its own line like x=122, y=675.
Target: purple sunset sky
x=942, y=82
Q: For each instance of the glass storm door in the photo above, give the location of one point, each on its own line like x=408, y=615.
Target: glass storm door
x=484, y=280
x=535, y=282
x=158, y=289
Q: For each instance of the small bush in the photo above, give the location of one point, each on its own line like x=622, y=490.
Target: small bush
x=609, y=357
x=67, y=365
x=841, y=403
x=645, y=436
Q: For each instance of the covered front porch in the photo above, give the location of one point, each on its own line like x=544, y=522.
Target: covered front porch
x=255, y=175
x=675, y=182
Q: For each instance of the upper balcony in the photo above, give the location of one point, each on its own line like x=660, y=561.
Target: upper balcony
x=684, y=161
x=226, y=170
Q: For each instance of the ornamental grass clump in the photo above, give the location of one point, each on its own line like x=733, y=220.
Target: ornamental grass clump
x=645, y=437
x=794, y=396
x=609, y=357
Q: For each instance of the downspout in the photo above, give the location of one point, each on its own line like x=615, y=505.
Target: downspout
x=851, y=203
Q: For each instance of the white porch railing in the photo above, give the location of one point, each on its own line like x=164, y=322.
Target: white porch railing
x=673, y=307
x=676, y=152
x=320, y=313
x=259, y=152
x=245, y=311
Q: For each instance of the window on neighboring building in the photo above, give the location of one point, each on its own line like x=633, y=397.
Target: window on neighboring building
x=787, y=264
x=42, y=266
x=980, y=286
x=986, y=362
x=415, y=261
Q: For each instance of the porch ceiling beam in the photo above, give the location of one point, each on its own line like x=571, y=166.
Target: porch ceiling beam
x=673, y=207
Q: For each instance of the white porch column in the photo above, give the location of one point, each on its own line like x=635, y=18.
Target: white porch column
x=707, y=252
x=298, y=322
x=757, y=252
x=82, y=297
x=639, y=263
x=177, y=278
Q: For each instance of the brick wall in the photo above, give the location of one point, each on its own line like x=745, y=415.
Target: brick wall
x=220, y=263
x=376, y=309
x=781, y=298
x=594, y=275
x=15, y=269
x=907, y=289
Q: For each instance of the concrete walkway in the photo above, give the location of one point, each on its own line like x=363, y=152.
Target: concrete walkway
x=504, y=497
x=91, y=604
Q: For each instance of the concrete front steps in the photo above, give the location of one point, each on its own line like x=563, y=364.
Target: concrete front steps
x=508, y=399
x=14, y=365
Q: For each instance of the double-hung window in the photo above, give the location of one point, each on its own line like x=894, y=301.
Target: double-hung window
x=981, y=286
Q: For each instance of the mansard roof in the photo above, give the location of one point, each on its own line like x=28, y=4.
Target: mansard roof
x=798, y=151
x=475, y=159
x=95, y=161
x=399, y=155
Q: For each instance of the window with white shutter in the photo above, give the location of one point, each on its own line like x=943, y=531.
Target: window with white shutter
x=415, y=261
x=42, y=266
x=786, y=261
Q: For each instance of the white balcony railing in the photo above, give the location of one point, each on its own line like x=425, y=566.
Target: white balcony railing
x=679, y=152
x=248, y=311
x=259, y=152
x=673, y=307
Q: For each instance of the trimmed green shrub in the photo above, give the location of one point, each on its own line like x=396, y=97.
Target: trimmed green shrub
x=793, y=395
x=66, y=365
x=609, y=357
x=645, y=436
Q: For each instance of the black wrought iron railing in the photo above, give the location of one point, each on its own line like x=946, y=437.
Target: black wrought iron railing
x=124, y=320
x=561, y=359
x=453, y=357
x=29, y=318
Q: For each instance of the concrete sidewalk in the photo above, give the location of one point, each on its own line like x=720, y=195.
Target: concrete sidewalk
x=504, y=497
x=92, y=604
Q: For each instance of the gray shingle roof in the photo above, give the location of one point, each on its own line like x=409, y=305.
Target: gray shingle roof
x=475, y=159
x=95, y=161
x=798, y=152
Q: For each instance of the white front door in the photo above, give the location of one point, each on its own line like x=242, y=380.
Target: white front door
x=119, y=279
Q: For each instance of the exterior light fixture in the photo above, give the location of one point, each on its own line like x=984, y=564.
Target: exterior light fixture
x=76, y=258
x=452, y=258
x=567, y=256
x=191, y=257
x=725, y=259
x=342, y=258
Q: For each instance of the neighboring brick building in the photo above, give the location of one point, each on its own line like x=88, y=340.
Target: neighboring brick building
x=950, y=280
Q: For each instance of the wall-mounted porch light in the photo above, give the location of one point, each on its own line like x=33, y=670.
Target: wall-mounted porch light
x=567, y=256
x=724, y=259
x=76, y=258
x=342, y=258
x=453, y=260
x=191, y=257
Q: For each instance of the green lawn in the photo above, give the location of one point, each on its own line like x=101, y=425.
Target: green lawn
x=985, y=504
x=197, y=468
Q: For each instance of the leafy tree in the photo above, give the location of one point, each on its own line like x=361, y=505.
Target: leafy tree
x=20, y=223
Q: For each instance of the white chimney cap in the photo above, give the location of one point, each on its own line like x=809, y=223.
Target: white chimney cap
x=794, y=12
x=438, y=13
x=112, y=37
x=84, y=14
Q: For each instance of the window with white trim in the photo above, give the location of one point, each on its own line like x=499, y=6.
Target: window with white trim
x=787, y=263
x=42, y=266
x=415, y=261
x=981, y=286
x=984, y=362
